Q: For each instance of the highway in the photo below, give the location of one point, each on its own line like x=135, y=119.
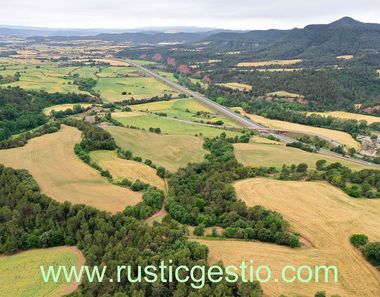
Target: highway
x=243, y=121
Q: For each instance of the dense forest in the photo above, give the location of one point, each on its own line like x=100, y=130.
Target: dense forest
x=103, y=238
x=21, y=110
x=327, y=89
x=202, y=194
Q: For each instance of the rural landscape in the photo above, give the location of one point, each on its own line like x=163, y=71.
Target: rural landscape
x=205, y=147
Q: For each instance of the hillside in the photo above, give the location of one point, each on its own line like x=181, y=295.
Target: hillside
x=344, y=36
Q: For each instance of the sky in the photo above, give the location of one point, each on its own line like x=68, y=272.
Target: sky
x=227, y=14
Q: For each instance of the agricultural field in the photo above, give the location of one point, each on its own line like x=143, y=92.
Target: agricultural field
x=345, y=57
x=269, y=63
x=349, y=116
x=285, y=94
x=50, y=159
x=261, y=154
x=237, y=86
x=44, y=76
x=183, y=109
x=28, y=282
x=131, y=170
x=338, y=136
x=169, y=151
x=170, y=125
x=311, y=210
x=62, y=107
x=111, y=88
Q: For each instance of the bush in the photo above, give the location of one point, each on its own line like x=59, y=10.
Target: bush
x=359, y=240
x=372, y=253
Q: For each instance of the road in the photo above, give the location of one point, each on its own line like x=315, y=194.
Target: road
x=247, y=123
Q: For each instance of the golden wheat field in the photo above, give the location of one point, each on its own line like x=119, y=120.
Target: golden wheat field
x=269, y=63
x=349, y=116
x=345, y=57
x=237, y=86
x=259, y=153
x=284, y=94
x=63, y=176
x=16, y=280
x=62, y=107
x=326, y=218
x=131, y=170
x=341, y=137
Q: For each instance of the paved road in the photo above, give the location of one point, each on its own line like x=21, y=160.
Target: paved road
x=247, y=123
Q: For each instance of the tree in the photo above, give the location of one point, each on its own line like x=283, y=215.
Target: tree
x=302, y=167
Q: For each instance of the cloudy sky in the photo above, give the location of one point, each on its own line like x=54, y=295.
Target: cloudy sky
x=234, y=14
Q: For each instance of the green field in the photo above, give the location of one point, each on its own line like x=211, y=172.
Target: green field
x=169, y=151
x=111, y=88
x=259, y=154
x=48, y=77
x=170, y=125
x=21, y=276
x=184, y=109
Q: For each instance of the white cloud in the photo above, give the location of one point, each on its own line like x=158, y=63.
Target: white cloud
x=244, y=14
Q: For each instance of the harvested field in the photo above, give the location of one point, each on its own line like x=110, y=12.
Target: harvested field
x=261, y=154
x=169, y=151
x=237, y=86
x=345, y=57
x=269, y=63
x=285, y=94
x=326, y=218
x=18, y=281
x=349, y=116
x=63, y=176
x=341, y=137
x=62, y=107
x=131, y=170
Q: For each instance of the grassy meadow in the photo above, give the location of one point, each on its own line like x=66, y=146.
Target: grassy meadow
x=169, y=151
x=184, y=109
x=170, y=125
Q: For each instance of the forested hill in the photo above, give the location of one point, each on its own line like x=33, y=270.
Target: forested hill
x=345, y=36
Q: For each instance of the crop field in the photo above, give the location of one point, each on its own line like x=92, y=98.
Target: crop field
x=184, y=109
x=62, y=107
x=111, y=88
x=261, y=154
x=46, y=77
x=341, y=137
x=345, y=57
x=350, y=116
x=169, y=151
x=21, y=276
x=279, y=69
x=131, y=170
x=237, y=86
x=284, y=94
x=326, y=218
x=269, y=63
x=63, y=176
x=170, y=125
